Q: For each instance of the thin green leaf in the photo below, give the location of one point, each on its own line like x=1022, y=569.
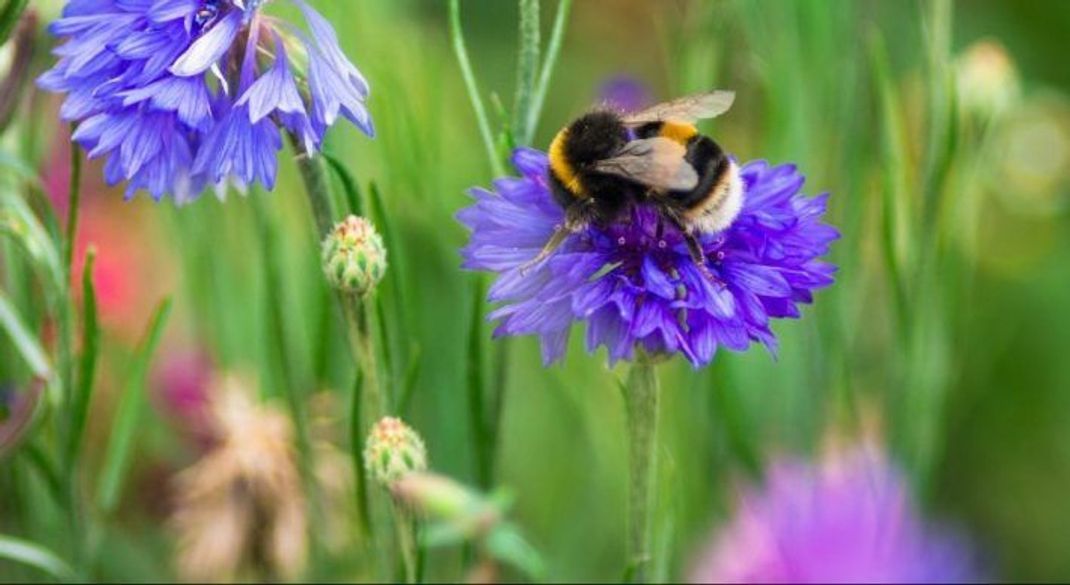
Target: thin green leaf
x=88, y=363
x=470, y=84
x=24, y=341
x=10, y=16
x=893, y=176
x=120, y=446
x=527, y=70
x=36, y=556
x=408, y=385
x=476, y=381
x=349, y=185
x=506, y=544
x=356, y=451
x=74, y=198
x=18, y=222
x=393, y=275
x=39, y=460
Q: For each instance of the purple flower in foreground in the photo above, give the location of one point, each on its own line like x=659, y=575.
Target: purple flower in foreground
x=183, y=94
x=849, y=520
x=634, y=282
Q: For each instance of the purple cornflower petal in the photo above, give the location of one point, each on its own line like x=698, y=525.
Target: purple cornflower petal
x=207, y=50
x=634, y=282
x=848, y=520
x=154, y=88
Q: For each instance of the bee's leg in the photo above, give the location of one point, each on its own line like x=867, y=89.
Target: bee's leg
x=694, y=247
x=559, y=236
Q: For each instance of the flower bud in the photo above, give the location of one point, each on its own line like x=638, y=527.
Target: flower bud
x=440, y=498
x=354, y=258
x=393, y=451
x=988, y=82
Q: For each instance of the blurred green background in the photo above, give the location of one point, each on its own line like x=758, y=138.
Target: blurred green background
x=946, y=334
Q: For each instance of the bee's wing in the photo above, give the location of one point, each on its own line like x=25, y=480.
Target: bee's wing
x=688, y=109
x=655, y=162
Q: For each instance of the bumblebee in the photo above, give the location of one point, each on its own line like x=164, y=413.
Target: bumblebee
x=604, y=162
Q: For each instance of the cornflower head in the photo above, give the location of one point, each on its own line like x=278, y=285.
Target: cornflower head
x=634, y=282
x=182, y=94
x=847, y=519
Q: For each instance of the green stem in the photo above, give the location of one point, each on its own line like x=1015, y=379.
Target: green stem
x=527, y=71
x=406, y=541
x=553, y=51
x=356, y=447
x=367, y=405
x=641, y=405
x=364, y=355
x=482, y=445
x=457, y=36
x=319, y=191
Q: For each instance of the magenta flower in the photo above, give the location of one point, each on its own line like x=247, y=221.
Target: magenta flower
x=850, y=520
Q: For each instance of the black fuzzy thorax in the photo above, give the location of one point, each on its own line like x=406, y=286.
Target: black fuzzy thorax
x=594, y=137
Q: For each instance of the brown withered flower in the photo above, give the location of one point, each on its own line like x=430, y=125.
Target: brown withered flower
x=240, y=511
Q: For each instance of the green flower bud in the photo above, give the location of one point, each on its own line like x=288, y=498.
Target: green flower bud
x=393, y=451
x=437, y=497
x=354, y=258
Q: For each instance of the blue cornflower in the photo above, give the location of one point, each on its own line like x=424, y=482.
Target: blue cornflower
x=183, y=94
x=634, y=282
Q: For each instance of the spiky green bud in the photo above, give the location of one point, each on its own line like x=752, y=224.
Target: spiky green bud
x=393, y=451
x=354, y=258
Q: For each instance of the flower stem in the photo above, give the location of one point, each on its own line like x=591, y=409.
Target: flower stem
x=470, y=84
x=553, y=50
x=527, y=70
x=360, y=337
x=319, y=192
x=406, y=541
x=641, y=405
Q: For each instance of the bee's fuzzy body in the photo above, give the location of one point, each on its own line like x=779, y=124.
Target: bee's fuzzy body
x=590, y=196
x=716, y=200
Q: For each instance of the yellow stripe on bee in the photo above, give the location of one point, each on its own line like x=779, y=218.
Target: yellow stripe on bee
x=562, y=169
x=677, y=132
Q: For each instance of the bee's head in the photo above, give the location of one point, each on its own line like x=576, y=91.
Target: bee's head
x=595, y=136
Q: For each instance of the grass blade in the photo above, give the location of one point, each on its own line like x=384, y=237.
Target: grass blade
x=349, y=185
x=36, y=556
x=18, y=222
x=87, y=366
x=24, y=341
x=9, y=16
x=117, y=457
